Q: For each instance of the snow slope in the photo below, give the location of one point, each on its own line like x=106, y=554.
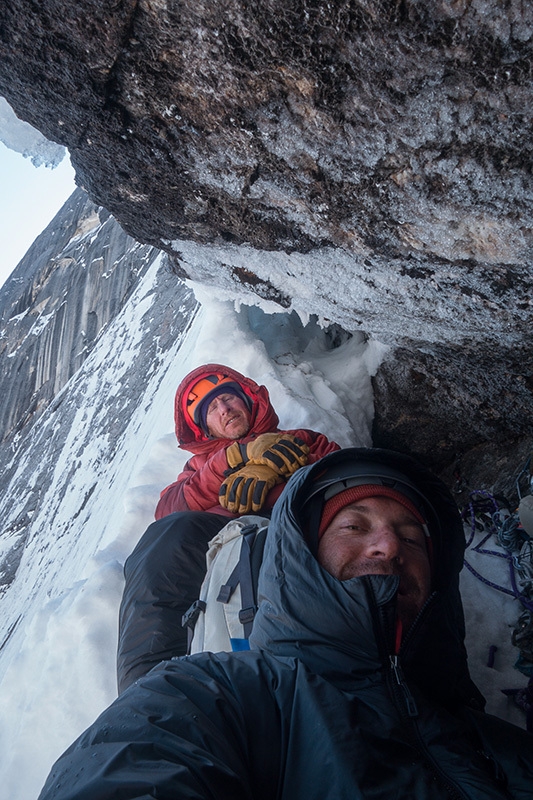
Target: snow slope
x=59, y=615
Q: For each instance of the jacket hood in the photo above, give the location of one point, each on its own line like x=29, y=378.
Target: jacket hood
x=191, y=437
x=344, y=630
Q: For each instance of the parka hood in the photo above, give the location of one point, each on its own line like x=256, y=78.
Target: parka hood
x=344, y=630
x=191, y=437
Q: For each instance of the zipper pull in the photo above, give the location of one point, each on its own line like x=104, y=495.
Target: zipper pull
x=412, y=709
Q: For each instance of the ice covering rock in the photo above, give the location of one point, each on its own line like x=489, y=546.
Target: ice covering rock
x=23, y=138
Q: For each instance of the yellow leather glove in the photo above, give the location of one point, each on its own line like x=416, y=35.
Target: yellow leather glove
x=282, y=452
x=246, y=489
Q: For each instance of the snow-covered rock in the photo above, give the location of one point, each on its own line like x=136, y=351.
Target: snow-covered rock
x=27, y=140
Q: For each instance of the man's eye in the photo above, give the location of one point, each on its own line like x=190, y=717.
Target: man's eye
x=413, y=541
x=214, y=404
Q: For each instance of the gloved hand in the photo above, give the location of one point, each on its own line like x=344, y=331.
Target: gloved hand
x=282, y=452
x=246, y=489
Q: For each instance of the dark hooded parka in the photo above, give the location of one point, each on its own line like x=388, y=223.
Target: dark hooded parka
x=323, y=706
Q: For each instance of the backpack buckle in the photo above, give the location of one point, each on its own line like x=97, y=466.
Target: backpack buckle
x=190, y=617
x=247, y=614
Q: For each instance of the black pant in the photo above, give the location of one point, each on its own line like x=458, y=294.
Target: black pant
x=163, y=578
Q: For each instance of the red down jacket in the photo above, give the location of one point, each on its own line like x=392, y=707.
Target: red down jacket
x=197, y=487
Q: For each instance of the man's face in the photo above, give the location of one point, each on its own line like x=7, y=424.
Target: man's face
x=379, y=536
x=228, y=417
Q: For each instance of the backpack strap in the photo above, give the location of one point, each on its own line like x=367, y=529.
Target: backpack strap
x=246, y=575
x=248, y=598
x=227, y=589
x=240, y=550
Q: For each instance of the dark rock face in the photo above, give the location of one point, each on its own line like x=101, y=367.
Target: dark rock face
x=476, y=433
x=69, y=285
x=391, y=131
x=369, y=162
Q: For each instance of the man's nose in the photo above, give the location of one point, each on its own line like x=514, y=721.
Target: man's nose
x=384, y=543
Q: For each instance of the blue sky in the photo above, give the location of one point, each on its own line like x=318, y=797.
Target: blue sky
x=29, y=198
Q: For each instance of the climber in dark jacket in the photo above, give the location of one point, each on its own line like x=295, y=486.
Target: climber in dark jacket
x=356, y=685
x=240, y=463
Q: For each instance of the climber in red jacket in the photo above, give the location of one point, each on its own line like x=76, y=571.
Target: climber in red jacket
x=240, y=463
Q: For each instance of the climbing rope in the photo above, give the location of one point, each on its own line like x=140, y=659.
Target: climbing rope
x=483, y=506
x=490, y=515
x=499, y=522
